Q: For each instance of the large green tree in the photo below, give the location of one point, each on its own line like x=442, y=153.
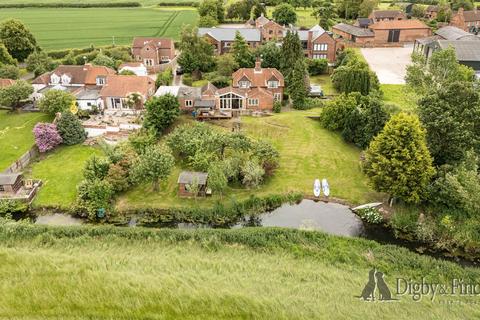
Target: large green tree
x=39, y=63
x=271, y=54
x=398, y=162
x=241, y=52
x=324, y=11
x=9, y=71
x=284, y=14
x=154, y=165
x=196, y=53
x=348, y=9
x=12, y=96
x=291, y=52
x=226, y=65
x=5, y=57
x=70, y=129
x=54, y=101
x=217, y=180
x=298, y=85
x=451, y=115
x=355, y=76
x=18, y=40
x=161, y=112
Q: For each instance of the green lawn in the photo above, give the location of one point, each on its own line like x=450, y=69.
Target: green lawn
x=264, y=273
x=325, y=81
x=304, y=17
x=307, y=152
x=16, y=135
x=142, y=2
x=396, y=94
x=60, y=171
x=78, y=28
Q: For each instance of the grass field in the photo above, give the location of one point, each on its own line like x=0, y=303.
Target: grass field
x=397, y=95
x=325, y=81
x=106, y=273
x=142, y=2
x=16, y=135
x=78, y=28
x=307, y=151
x=304, y=17
x=60, y=171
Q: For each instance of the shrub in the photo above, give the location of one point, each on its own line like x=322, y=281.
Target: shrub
x=55, y=101
x=11, y=207
x=164, y=78
x=117, y=177
x=252, y=174
x=370, y=215
x=94, y=195
x=355, y=76
x=317, y=66
x=187, y=79
x=103, y=60
x=277, y=107
x=96, y=168
x=46, y=136
x=161, y=112
x=71, y=129
x=9, y=72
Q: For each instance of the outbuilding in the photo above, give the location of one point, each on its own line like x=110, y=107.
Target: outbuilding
x=187, y=181
x=10, y=183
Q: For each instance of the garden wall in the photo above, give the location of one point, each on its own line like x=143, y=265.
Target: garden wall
x=23, y=161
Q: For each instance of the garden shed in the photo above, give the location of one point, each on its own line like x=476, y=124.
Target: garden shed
x=10, y=183
x=187, y=181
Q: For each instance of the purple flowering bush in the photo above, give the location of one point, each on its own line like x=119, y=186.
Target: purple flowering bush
x=46, y=136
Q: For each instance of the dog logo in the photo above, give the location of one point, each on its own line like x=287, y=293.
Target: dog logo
x=376, y=284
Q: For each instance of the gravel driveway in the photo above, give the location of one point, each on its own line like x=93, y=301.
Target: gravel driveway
x=389, y=63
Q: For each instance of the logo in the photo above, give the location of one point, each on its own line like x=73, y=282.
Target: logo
x=376, y=288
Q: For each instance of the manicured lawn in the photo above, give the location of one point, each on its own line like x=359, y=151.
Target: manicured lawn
x=307, y=152
x=325, y=81
x=16, y=135
x=132, y=273
x=78, y=28
x=397, y=95
x=61, y=171
x=199, y=83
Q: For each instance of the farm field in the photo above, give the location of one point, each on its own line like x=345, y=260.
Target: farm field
x=79, y=28
x=262, y=273
x=307, y=151
x=16, y=135
x=142, y=2
x=60, y=172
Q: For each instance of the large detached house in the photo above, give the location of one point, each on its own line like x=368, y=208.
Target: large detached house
x=126, y=94
x=84, y=82
x=466, y=20
x=153, y=52
x=317, y=43
x=222, y=38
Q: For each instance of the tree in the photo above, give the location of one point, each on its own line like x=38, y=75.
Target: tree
x=442, y=68
x=208, y=8
x=96, y=168
x=240, y=10
x=103, y=60
x=164, y=78
x=226, y=65
x=465, y=4
x=18, y=40
x=297, y=85
x=161, y=112
x=54, y=101
x=207, y=22
x=154, y=165
x=324, y=11
x=71, y=129
x=241, y=52
x=126, y=72
x=39, y=63
x=12, y=96
x=291, y=52
x=5, y=57
x=355, y=76
x=317, y=66
x=9, y=72
x=217, y=180
x=398, y=162
x=267, y=155
x=270, y=53
x=46, y=136
x=252, y=174
x=418, y=11
x=284, y=14
x=196, y=53
x=258, y=9
x=348, y=9
x=94, y=195
x=117, y=177
x=366, y=7
x=451, y=116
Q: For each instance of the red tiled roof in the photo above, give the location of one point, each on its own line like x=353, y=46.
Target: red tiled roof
x=471, y=15
x=258, y=79
x=122, y=86
x=238, y=91
x=159, y=43
x=399, y=24
x=84, y=74
x=130, y=64
x=6, y=82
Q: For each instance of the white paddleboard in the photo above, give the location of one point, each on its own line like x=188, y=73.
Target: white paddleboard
x=325, y=187
x=317, y=187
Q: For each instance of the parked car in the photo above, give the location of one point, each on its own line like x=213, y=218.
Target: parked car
x=179, y=71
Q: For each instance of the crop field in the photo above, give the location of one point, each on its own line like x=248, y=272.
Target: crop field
x=142, y=2
x=77, y=28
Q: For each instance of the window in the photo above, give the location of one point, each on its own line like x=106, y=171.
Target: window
x=319, y=56
x=226, y=44
x=188, y=103
x=89, y=104
x=100, y=81
x=148, y=62
x=272, y=84
x=54, y=78
x=277, y=96
x=116, y=103
x=165, y=58
x=2, y=188
x=244, y=84
x=320, y=47
x=253, y=102
x=270, y=32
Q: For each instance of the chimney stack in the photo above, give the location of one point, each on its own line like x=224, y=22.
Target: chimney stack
x=258, y=65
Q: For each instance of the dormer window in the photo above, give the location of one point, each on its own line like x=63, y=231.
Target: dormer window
x=272, y=84
x=244, y=84
x=65, y=79
x=55, y=79
x=100, y=81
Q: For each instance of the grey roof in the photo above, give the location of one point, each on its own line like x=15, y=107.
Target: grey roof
x=382, y=14
x=204, y=103
x=88, y=94
x=179, y=91
x=59, y=87
x=454, y=33
x=356, y=31
x=364, y=22
x=465, y=50
x=428, y=40
x=9, y=178
x=317, y=31
x=228, y=34
x=187, y=177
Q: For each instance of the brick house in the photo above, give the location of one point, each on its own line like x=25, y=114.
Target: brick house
x=153, y=52
x=119, y=90
x=466, y=20
x=187, y=96
x=318, y=44
x=222, y=38
x=270, y=30
x=388, y=32
x=387, y=15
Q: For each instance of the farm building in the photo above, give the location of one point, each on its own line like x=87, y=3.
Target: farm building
x=187, y=178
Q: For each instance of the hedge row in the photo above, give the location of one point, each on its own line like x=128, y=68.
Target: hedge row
x=179, y=4
x=60, y=54
x=71, y=5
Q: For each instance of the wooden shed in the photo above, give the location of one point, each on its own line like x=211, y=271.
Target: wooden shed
x=10, y=183
x=187, y=178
